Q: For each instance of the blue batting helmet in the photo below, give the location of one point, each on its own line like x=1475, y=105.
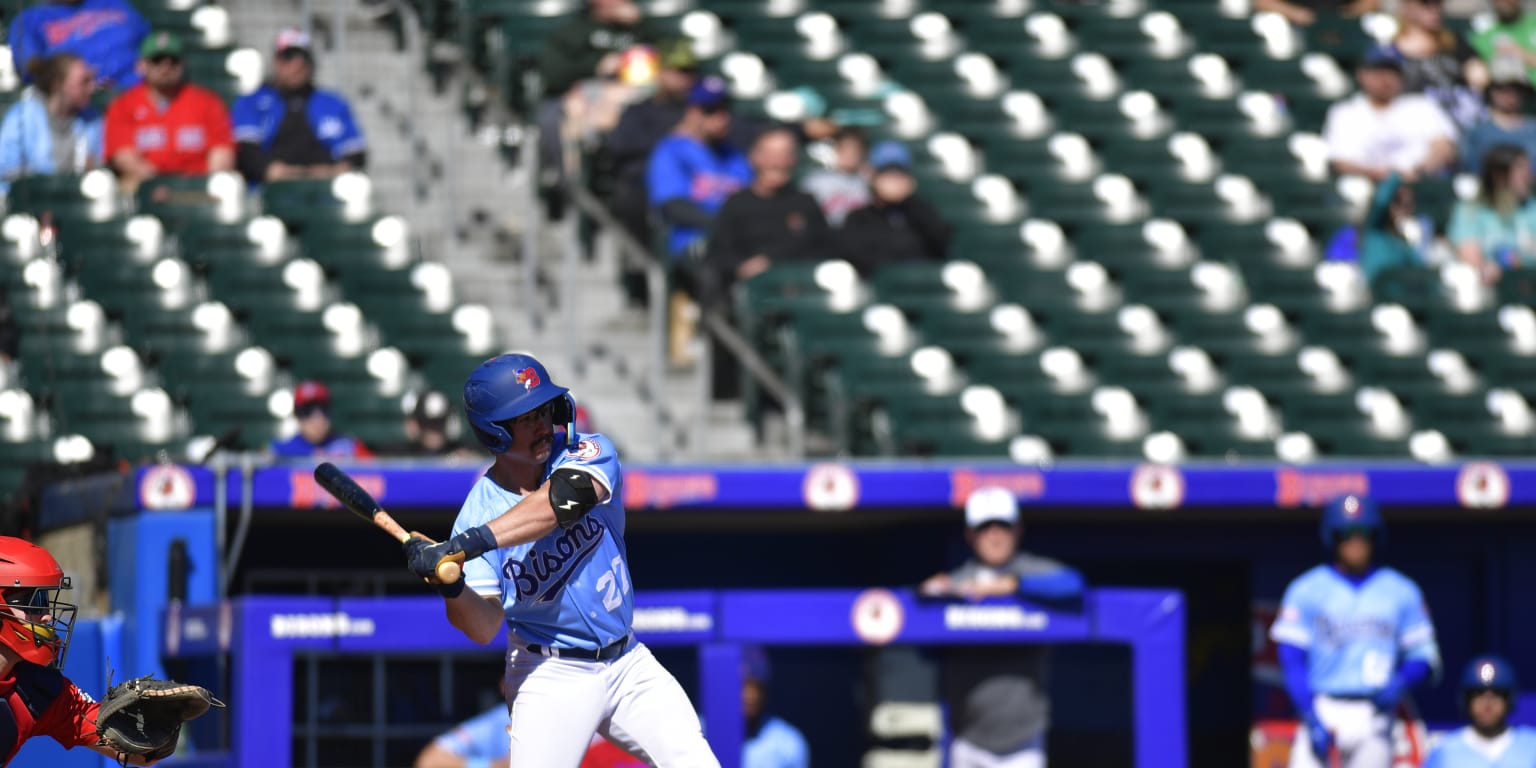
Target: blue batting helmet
x=506, y=387
x=1489, y=673
x=1350, y=513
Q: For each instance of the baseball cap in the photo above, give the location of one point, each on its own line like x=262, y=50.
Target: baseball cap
x=310, y=393
x=1507, y=70
x=1382, y=56
x=890, y=154
x=160, y=44
x=709, y=93
x=291, y=39
x=991, y=505
x=678, y=54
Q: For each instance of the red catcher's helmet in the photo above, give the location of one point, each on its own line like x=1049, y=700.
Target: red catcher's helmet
x=33, y=623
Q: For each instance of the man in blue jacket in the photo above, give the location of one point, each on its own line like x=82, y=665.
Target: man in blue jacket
x=289, y=129
x=105, y=33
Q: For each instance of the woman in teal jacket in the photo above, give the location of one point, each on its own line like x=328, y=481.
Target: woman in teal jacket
x=1498, y=229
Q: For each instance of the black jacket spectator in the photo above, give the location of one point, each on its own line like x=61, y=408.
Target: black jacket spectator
x=897, y=225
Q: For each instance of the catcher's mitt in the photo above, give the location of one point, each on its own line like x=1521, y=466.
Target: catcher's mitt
x=143, y=716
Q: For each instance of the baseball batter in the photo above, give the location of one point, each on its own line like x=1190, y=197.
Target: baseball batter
x=1353, y=637
x=1488, y=694
x=542, y=534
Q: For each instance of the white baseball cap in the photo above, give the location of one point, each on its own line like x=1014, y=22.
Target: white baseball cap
x=991, y=505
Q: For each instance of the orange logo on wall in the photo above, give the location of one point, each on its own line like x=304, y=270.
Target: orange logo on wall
x=1024, y=485
x=1298, y=488
x=305, y=493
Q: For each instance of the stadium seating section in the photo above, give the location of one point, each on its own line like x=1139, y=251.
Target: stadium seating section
x=1139, y=194
x=190, y=310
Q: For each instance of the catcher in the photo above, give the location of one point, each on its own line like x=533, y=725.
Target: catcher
x=140, y=720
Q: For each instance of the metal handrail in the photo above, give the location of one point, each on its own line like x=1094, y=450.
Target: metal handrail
x=713, y=321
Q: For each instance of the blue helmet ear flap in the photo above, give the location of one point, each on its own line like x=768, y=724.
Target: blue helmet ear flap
x=493, y=436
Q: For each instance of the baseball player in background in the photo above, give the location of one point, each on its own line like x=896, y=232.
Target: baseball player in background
x=35, y=628
x=997, y=695
x=1352, y=637
x=542, y=537
x=1488, y=741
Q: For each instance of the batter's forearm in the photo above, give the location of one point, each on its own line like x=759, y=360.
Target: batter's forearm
x=529, y=520
x=477, y=616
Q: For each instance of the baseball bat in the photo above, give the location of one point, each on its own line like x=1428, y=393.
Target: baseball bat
x=353, y=497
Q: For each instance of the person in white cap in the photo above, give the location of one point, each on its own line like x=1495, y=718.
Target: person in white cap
x=998, y=707
x=289, y=129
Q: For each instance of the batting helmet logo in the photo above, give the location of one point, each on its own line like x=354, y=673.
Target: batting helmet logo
x=528, y=377
x=1486, y=672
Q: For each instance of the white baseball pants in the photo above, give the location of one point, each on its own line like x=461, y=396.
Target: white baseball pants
x=1362, y=735
x=633, y=701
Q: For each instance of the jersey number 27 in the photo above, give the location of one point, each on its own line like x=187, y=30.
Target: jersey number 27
x=614, y=584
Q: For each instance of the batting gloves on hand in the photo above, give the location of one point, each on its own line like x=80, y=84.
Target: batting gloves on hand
x=422, y=556
x=1318, y=736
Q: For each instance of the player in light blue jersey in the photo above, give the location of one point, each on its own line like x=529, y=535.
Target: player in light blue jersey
x=1353, y=638
x=1488, y=693
x=541, y=539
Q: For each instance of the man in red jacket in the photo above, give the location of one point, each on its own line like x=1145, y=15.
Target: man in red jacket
x=166, y=125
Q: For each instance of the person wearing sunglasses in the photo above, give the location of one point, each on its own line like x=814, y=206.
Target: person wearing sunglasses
x=316, y=435
x=1353, y=637
x=35, y=629
x=166, y=125
x=290, y=129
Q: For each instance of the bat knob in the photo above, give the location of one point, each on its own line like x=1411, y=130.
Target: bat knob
x=448, y=572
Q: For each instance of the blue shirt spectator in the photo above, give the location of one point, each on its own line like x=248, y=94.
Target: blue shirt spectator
x=694, y=170
x=105, y=33
x=289, y=129
x=479, y=742
x=776, y=744
x=53, y=129
x=1505, y=122
x=312, y=407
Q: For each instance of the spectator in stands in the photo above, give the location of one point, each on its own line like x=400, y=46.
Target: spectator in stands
x=289, y=129
x=1381, y=129
x=643, y=125
x=105, y=33
x=844, y=187
x=590, y=45
x=166, y=124
x=695, y=169
x=429, y=432
x=769, y=741
x=768, y=222
x=1304, y=12
x=1391, y=234
x=316, y=438
x=1498, y=229
x=1512, y=37
x=1506, y=121
x=54, y=128
x=998, y=705
x=1438, y=62
x=897, y=225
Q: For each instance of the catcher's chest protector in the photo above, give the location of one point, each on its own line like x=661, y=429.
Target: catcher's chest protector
x=27, y=696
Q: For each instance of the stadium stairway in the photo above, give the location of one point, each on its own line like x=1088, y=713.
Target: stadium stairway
x=463, y=203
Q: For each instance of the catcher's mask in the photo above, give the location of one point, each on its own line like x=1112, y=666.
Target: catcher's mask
x=508, y=386
x=33, y=622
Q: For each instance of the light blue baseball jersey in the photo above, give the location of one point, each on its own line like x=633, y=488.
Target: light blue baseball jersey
x=1355, y=636
x=1465, y=749
x=482, y=737
x=570, y=589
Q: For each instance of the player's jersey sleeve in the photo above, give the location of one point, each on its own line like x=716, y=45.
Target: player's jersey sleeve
x=1415, y=631
x=482, y=738
x=71, y=718
x=595, y=455
x=1293, y=626
x=480, y=573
